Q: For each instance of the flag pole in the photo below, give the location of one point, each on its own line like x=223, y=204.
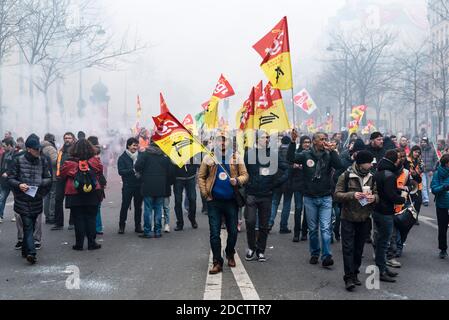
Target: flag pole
x=294, y=113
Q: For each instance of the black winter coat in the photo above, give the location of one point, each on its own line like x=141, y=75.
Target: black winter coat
x=34, y=172
x=297, y=177
x=157, y=173
x=321, y=187
x=125, y=166
x=284, y=165
x=386, y=181
x=378, y=156
x=263, y=178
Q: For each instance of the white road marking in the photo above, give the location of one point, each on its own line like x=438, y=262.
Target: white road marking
x=243, y=281
x=427, y=220
x=213, y=282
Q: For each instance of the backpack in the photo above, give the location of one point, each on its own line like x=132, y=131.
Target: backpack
x=85, y=181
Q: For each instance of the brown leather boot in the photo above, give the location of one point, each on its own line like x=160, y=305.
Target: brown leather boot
x=217, y=268
x=231, y=262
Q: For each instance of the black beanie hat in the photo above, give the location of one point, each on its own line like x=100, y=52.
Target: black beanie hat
x=359, y=145
x=286, y=140
x=364, y=157
x=375, y=135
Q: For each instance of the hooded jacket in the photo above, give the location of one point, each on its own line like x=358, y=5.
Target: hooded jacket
x=156, y=172
x=317, y=184
x=33, y=172
x=386, y=182
x=352, y=210
x=440, y=187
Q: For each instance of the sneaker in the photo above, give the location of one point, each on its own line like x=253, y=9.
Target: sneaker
x=349, y=284
x=328, y=261
x=250, y=255
x=296, y=238
x=356, y=280
x=37, y=245
x=18, y=245
x=261, y=257
x=425, y=204
x=443, y=254
x=13, y=219
x=167, y=228
x=1, y=220
x=393, y=263
x=391, y=274
x=179, y=228
x=314, y=260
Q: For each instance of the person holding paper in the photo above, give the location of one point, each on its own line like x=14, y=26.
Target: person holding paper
x=357, y=193
x=30, y=179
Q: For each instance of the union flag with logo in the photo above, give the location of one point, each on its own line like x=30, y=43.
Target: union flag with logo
x=175, y=140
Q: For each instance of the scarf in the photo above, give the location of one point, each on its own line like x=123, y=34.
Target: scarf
x=319, y=155
x=133, y=156
x=361, y=172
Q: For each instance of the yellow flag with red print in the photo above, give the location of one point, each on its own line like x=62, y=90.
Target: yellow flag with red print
x=274, y=118
x=222, y=90
x=274, y=48
x=175, y=140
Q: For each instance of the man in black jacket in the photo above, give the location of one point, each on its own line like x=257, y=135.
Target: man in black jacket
x=6, y=160
x=383, y=216
x=185, y=180
x=262, y=165
x=30, y=179
x=376, y=147
x=156, y=171
x=317, y=165
x=131, y=186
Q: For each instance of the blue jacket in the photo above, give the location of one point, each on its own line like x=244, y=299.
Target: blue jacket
x=440, y=187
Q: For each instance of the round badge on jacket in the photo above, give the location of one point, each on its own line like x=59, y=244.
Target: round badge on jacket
x=265, y=171
x=222, y=176
x=310, y=163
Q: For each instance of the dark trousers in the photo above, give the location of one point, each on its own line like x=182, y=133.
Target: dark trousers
x=28, y=247
x=384, y=229
x=299, y=208
x=85, y=224
x=443, y=220
x=257, y=209
x=59, y=205
x=178, y=189
x=336, y=221
x=216, y=210
x=353, y=236
x=128, y=193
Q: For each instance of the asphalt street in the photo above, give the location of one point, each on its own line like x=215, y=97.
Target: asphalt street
x=175, y=267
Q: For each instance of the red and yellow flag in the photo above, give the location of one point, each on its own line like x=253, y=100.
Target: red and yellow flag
x=245, y=116
x=357, y=115
x=175, y=140
x=139, y=108
x=272, y=117
x=189, y=123
x=164, y=107
x=274, y=48
x=223, y=90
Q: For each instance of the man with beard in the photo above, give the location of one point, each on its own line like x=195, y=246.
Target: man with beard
x=376, y=147
x=63, y=155
x=403, y=144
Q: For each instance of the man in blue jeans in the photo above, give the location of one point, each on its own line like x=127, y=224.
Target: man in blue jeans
x=157, y=174
x=217, y=178
x=317, y=164
x=383, y=217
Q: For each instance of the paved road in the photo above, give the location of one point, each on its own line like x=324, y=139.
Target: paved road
x=175, y=266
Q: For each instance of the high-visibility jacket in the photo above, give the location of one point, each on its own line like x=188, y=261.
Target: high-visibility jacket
x=401, y=182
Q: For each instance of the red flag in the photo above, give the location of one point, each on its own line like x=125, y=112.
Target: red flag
x=205, y=105
x=223, y=89
x=164, y=107
x=248, y=116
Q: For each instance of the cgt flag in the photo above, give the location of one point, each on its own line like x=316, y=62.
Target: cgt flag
x=223, y=90
x=189, y=124
x=274, y=48
x=245, y=116
x=274, y=118
x=357, y=115
x=175, y=140
x=305, y=102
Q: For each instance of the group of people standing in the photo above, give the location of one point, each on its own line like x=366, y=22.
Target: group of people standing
x=342, y=191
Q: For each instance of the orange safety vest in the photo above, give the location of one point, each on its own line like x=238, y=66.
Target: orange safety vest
x=401, y=182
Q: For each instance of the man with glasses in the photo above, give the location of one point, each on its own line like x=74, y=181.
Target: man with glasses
x=318, y=163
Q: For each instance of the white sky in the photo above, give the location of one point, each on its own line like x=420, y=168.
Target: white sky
x=193, y=42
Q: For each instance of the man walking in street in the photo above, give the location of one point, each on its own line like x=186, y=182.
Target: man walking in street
x=63, y=155
x=30, y=180
x=217, y=178
x=430, y=159
x=318, y=164
x=357, y=193
x=6, y=161
x=131, y=186
x=49, y=150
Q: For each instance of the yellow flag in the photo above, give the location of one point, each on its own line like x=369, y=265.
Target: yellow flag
x=211, y=114
x=275, y=118
x=175, y=140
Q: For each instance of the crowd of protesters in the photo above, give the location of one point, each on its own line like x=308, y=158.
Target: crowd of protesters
x=344, y=189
